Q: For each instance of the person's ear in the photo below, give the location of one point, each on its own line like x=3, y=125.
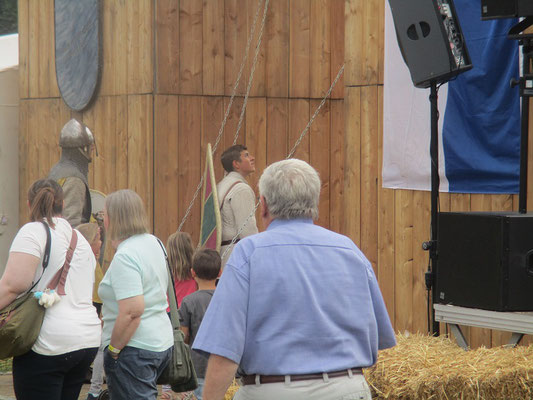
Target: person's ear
x=193, y=274
x=264, y=207
x=219, y=273
x=236, y=165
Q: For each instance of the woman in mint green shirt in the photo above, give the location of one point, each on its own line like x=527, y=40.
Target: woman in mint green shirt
x=137, y=334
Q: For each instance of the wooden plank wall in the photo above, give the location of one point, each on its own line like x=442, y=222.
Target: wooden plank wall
x=169, y=68
x=390, y=225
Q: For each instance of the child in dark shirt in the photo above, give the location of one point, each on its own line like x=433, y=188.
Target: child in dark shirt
x=205, y=270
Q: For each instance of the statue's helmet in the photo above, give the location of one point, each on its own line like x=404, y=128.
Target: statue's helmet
x=76, y=134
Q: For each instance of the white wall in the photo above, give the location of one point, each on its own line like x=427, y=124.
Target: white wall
x=9, y=123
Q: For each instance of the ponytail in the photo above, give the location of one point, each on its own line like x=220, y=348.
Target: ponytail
x=46, y=200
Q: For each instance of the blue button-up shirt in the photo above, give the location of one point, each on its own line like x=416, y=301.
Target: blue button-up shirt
x=296, y=299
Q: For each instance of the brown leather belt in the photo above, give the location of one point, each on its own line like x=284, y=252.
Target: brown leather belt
x=228, y=242
x=250, y=379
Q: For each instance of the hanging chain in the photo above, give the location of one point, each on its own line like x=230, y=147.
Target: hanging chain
x=234, y=91
x=291, y=153
x=250, y=80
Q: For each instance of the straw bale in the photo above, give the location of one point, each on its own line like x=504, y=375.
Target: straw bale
x=426, y=367
x=231, y=390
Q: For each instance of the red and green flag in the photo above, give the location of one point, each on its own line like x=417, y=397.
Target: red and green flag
x=211, y=225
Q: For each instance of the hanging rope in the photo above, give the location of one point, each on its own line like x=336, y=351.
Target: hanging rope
x=250, y=80
x=291, y=153
x=234, y=91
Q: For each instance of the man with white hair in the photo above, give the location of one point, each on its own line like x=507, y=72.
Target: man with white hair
x=298, y=311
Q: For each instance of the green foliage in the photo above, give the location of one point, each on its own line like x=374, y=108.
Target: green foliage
x=8, y=17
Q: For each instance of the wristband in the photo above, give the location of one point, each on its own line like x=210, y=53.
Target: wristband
x=113, y=349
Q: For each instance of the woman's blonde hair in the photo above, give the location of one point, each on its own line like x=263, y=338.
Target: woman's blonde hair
x=126, y=215
x=90, y=231
x=180, y=252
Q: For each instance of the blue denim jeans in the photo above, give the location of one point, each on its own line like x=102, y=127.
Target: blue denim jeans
x=199, y=389
x=134, y=374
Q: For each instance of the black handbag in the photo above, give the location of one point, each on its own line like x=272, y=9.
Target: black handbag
x=179, y=373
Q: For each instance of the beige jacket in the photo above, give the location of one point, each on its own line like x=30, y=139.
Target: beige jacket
x=239, y=203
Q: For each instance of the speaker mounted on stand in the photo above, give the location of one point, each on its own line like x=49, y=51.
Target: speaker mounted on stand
x=430, y=40
x=433, y=47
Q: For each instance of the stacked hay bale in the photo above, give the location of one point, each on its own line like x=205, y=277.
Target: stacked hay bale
x=425, y=367
x=231, y=390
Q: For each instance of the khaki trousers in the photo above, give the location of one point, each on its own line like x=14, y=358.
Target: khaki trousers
x=342, y=388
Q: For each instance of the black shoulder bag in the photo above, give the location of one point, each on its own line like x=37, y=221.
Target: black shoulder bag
x=179, y=373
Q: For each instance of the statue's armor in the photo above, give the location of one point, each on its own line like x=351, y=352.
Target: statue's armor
x=74, y=161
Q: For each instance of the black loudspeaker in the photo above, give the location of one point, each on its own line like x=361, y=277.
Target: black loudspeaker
x=430, y=40
x=485, y=260
x=491, y=9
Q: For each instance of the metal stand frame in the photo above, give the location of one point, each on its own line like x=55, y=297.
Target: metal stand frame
x=526, y=90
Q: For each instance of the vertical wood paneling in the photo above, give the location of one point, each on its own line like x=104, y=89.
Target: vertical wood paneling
x=256, y=139
x=189, y=163
x=337, y=46
x=139, y=46
x=140, y=147
x=95, y=125
x=24, y=164
x=336, y=179
x=190, y=39
x=213, y=47
x=45, y=43
x=353, y=42
x=199, y=52
x=369, y=173
x=24, y=30
x=403, y=258
x=320, y=21
x=258, y=87
x=277, y=128
x=319, y=156
x=256, y=136
x=277, y=49
x=372, y=48
x=299, y=41
x=33, y=48
x=53, y=88
x=352, y=171
x=385, y=222
x=167, y=45
x=298, y=118
x=235, y=38
x=421, y=233
x=166, y=190
x=115, y=34
x=232, y=123
x=212, y=116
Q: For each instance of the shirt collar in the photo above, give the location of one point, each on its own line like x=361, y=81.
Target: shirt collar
x=276, y=223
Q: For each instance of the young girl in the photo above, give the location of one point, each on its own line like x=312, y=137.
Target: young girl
x=180, y=252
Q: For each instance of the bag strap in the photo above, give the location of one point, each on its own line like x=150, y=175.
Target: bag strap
x=171, y=293
x=229, y=190
x=60, y=278
x=46, y=257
